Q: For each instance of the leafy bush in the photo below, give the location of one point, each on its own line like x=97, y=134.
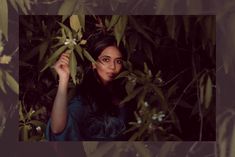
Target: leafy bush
x=170, y=71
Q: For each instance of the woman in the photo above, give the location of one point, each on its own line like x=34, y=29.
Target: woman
x=95, y=113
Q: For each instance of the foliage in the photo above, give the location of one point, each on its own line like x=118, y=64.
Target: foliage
x=145, y=39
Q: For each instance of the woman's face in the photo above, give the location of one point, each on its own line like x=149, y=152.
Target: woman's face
x=109, y=64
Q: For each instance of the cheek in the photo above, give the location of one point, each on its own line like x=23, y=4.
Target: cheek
x=101, y=69
x=118, y=68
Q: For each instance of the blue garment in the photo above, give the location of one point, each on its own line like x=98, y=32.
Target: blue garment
x=101, y=128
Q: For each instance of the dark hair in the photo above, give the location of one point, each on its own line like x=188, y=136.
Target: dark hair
x=98, y=43
x=98, y=98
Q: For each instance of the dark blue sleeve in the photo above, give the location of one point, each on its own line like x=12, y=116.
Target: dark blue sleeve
x=71, y=132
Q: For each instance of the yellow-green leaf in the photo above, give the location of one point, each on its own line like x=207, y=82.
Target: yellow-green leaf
x=12, y=83
x=103, y=149
x=2, y=82
x=142, y=149
x=208, y=94
x=88, y=56
x=5, y=59
x=14, y=5
x=79, y=50
x=54, y=56
x=4, y=18
x=120, y=27
x=67, y=30
x=232, y=145
x=67, y=7
x=113, y=21
x=90, y=147
x=73, y=66
x=75, y=23
x=81, y=18
x=43, y=49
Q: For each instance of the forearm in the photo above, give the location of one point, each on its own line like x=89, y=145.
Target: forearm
x=59, y=110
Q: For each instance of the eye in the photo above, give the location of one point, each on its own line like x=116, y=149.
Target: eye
x=105, y=60
x=119, y=61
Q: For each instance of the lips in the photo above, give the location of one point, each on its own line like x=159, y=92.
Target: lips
x=111, y=75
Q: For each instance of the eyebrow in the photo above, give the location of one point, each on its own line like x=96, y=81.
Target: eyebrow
x=110, y=57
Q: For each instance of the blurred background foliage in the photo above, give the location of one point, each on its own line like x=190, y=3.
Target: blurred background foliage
x=170, y=70
x=10, y=9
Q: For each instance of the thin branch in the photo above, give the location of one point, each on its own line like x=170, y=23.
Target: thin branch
x=175, y=76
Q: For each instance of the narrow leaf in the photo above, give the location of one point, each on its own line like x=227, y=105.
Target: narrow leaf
x=79, y=50
x=2, y=82
x=88, y=56
x=4, y=18
x=113, y=21
x=67, y=7
x=54, y=56
x=73, y=66
x=132, y=95
x=81, y=18
x=208, y=94
x=120, y=27
x=43, y=49
x=75, y=23
x=67, y=30
x=12, y=83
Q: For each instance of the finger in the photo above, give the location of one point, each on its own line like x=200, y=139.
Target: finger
x=67, y=53
x=64, y=61
x=64, y=58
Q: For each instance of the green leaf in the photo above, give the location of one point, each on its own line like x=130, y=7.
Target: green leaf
x=14, y=5
x=130, y=87
x=123, y=74
x=103, y=149
x=21, y=114
x=88, y=56
x=67, y=7
x=171, y=25
x=75, y=23
x=90, y=147
x=37, y=123
x=54, y=56
x=67, y=30
x=208, y=94
x=120, y=27
x=232, y=145
x=143, y=151
x=79, y=50
x=139, y=29
x=22, y=6
x=132, y=95
x=43, y=49
x=81, y=18
x=73, y=66
x=113, y=21
x=4, y=18
x=2, y=83
x=12, y=83
x=114, y=4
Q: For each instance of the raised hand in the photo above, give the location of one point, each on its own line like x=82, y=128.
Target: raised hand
x=62, y=66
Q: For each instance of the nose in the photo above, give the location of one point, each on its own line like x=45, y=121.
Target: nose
x=112, y=65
